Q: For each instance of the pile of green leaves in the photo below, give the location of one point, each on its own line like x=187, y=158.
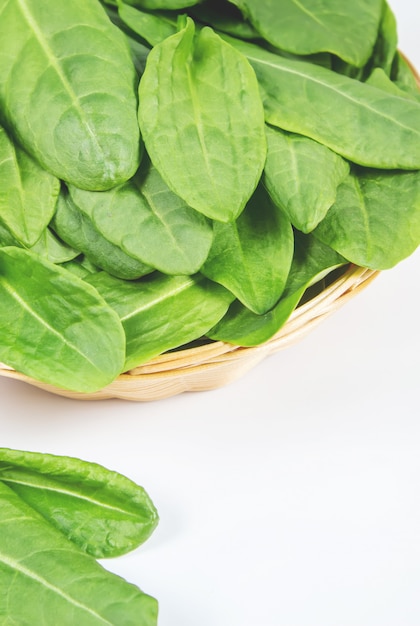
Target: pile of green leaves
x=183, y=170
x=57, y=516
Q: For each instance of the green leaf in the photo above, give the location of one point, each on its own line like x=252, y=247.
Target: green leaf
x=242, y=327
x=159, y=312
x=205, y=134
x=46, y=579
x=54, y=327
x=378, y=78
x=27, y=193
x=353, y=119
x=375, y=221
x=67, y=90
x=311, y=262
x=78, y=230
x=386, y=45
x=52, y=249
x=223, y=16
x=309, y=26
x=152, y=27
x=251, y=256
x=149, y=222
x=405, y=78
x=152, y=5
x=302, y=176
x=101, y=511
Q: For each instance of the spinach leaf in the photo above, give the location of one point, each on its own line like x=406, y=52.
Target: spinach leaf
x=27, y=193
x=375, y=221
x=102, y=512
x=204, y=134
x=54, y=327
x=353, y=119
x=78, y=230
x=311, y=262
x=46, y=579
x=67, y=90
x=251, y=256
x=313, y=26
x=159, y=312
x=302, y=176
x=149, y=222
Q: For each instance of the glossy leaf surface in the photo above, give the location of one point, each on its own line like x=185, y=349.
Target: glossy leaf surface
x=204, y=134
x=46, y=579
x=302, y=176
x=353, y=119
x=54, y=327
x=101, y=511
x=27, y=193
x=159, y=312
x=375, y=221
x=317, y=25
x=67, y=90
x=251, y=256
x=149, y=222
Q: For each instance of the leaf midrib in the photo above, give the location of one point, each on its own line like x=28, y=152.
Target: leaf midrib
x=54, y=63
x=9, y=288
x=8, y=480
x=341, y=93
x=18, y=567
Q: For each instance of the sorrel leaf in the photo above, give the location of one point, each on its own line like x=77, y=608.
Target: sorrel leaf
x=27, y=193
x=302, y=176
x=352, y=118
x=312, y=26
x=375, y=221
x=78, y=119
x=55, y=327
x=151, y=27
x=149, y=222
x=101, y=511
x=160, y=312
x=311, y=261
x=207, y=141
x=44, y=576
x=251, y=256
x=78, y=230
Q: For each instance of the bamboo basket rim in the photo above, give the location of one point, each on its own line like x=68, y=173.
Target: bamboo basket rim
x=217, y=363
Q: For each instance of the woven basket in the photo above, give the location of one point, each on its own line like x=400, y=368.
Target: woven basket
x=216, y=364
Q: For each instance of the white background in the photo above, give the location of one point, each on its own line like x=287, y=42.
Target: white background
x=290, y=497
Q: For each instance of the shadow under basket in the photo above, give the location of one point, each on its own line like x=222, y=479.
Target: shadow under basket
x=216, y=364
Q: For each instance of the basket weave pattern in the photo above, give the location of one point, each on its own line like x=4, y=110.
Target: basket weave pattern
x=216, y=364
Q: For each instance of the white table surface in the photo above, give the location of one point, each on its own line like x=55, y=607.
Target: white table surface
x=288, y=498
